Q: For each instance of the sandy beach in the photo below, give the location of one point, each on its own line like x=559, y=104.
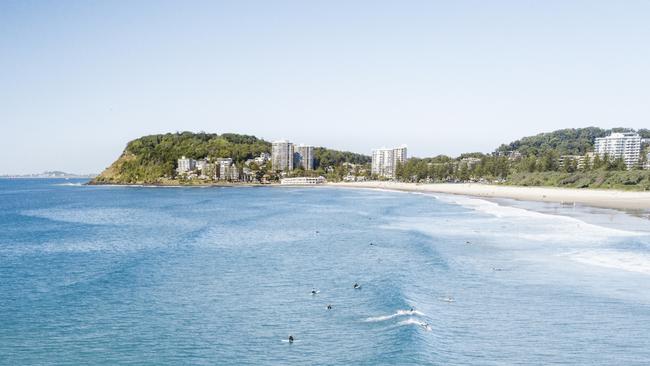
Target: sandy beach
x=599, y=198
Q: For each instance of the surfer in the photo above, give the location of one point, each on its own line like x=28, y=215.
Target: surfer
x=356, y=286
x=313, y=291
x=290, y=339
x=329, y=306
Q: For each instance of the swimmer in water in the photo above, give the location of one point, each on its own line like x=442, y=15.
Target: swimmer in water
x=356, y=285
x=329, y=307
x=313, y=291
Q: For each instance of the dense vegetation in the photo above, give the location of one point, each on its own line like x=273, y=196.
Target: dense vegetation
x=624, y=180
x=570, y=141
x=151, y=159
x=536, y=161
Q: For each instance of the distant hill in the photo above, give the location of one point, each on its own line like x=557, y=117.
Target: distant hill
x=570, y=141
x=49, y=174
x=149, y=159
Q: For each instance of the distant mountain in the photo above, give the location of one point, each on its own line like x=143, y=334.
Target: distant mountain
x=49, y=174
x=152, y=159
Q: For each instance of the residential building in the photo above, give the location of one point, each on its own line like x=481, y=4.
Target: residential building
x=578, y=159
x=385, y=161
x=234, y=173
x=470, y=162
x=620, y=145
x=282, y=155
x=262, y=159
x=201, y=164
x=304, y=157
x=248, y=175
x=303, y=180
x=185, y=165
x=224, y=168
x=510, y=154
x=647, y=161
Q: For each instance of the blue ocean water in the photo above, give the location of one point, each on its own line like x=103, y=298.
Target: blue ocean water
x=137, y=275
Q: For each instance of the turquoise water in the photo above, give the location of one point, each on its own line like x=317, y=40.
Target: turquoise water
x=117, y=275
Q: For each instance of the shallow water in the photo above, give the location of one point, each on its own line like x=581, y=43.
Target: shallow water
x=117, y=275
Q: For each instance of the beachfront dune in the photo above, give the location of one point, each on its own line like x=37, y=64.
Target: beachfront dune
x=592, y=197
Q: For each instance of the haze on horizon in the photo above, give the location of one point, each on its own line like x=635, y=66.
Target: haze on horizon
x=79, y=79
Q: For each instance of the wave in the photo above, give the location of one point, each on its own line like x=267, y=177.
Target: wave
x=562, y=225
x=413, y=321
x=627, y=261
x=395, y=315
x=68, y=184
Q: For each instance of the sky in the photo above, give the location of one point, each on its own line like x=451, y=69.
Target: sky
x=79, y=79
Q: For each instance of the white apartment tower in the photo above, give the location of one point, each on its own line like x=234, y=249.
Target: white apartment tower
x=620, y=145
x=282, y=155
x=185, y=165
x=304, y=157
x=384, y=161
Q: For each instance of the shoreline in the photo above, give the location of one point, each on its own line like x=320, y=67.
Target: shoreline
x=611, y=199
x=179, y=185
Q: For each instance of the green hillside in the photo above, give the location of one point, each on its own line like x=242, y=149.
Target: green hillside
x=152, y=159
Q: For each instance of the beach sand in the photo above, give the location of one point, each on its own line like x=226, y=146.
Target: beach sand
x=621, y=200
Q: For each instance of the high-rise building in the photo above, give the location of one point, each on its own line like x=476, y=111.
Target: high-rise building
x=385, y=161
x=304, y=157
x=282, y=155
x=620, y=145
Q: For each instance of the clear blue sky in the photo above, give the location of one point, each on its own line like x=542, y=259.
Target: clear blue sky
x=80, y=79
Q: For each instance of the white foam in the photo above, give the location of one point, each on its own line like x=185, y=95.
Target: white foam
x=627, y=261
x=412, y=321
x=507, y=221
x=395, y=315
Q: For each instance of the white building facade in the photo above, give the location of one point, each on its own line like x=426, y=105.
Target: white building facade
x=185, y=165
x=303, y=180
x=282, y=155
x=620, y=145
x=385, y=161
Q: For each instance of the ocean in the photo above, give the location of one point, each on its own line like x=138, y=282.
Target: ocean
x=167, y=276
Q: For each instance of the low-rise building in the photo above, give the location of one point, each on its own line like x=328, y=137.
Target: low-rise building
x=224, y=168
x=201, y=164
x=470, y=162
x=579, y=161
x=260, y=160
x=303, y=180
